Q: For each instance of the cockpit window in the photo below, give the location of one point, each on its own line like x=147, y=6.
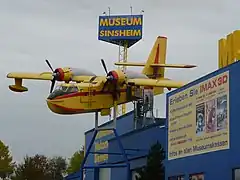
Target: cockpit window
x=72, y=89
x=57, y=88
x=62, y=90
x=66, y=88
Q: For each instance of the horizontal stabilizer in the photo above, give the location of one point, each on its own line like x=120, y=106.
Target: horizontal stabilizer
x=129, y=64
x=174, y=65
x=156, y=65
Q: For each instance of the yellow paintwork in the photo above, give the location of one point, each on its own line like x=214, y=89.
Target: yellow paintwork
x=157, y=83
x=35, y=76
x=41, y=76
x=156, y=65
x=84, y=104
x=156, y=56
x=229, y=49
x=105, y=112
x=129, y=64
x=90, y=95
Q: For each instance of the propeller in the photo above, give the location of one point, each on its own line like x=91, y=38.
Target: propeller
x=104, y=66
x=106, y=71
x=55, y=75
x=109, y=74
x=49, y=65
x=110, y=79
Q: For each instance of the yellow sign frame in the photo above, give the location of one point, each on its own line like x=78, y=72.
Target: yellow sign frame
x=229, y=49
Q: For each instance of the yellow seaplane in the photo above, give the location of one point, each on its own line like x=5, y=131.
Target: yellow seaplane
x=81, y=91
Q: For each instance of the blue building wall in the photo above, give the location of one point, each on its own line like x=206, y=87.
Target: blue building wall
x=124, y=124
x=218, y=164
x=214, y=165
x=131, y=139
x=137, y=144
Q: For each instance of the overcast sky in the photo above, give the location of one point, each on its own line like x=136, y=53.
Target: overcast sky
x=65, y=32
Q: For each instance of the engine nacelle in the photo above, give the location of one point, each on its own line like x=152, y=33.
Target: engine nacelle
x=63, y=74
x=118, y=76
x=66, y=73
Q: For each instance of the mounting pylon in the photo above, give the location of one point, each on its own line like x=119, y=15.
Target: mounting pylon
x=122, y=57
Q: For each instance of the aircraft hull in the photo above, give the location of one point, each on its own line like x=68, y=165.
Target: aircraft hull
x=81, y=102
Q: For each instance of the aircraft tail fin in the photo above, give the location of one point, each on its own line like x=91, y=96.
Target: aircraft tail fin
x=156, y=56
x=155, y=66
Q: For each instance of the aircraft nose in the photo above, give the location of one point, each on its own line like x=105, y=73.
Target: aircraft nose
x=53, y=95
x=52, y=106
x=56, y=107
x=49, y=103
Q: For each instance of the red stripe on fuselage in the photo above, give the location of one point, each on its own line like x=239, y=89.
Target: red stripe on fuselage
x=156, y=62
x=85, y=94
x=68, y=109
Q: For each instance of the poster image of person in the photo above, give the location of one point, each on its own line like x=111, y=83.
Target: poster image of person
x=222, y=119
x=200, y=119
x=211, y=120
x=176, y=178
x=148, y=99
x=196, y=177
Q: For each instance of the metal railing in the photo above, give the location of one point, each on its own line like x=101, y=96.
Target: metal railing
x=149, y=118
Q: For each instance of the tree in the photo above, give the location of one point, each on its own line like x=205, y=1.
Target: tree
x=154, y=168
x=33, y=168
x=40, y=167
x=76, y=161
x=6, y=161
x=57, y=166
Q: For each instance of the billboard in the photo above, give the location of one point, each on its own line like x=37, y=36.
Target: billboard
x=198, y=118
x=115, y=29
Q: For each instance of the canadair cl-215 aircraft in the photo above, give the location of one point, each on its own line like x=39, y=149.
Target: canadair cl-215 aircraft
x=84, y=92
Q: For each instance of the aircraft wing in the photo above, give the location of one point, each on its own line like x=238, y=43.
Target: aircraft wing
x=36, y=76
x=42, y=76
x=19, y=76
x=156, y=83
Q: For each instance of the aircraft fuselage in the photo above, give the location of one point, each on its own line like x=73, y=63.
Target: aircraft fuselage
x=87, y=102
x=84, y=102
